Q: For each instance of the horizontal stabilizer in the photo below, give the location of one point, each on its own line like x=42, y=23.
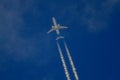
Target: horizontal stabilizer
x=60, y=37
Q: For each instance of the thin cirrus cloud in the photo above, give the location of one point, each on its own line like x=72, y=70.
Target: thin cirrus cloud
x=96, y=14
x=92, y=14
x=12, y=43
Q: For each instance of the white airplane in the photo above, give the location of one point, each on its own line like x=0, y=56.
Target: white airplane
x=56, y=27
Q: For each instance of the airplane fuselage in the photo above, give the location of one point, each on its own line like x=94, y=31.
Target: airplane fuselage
x=56, y=27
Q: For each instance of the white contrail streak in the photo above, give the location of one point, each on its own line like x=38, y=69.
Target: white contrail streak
x=71, y=62
x=63, y=62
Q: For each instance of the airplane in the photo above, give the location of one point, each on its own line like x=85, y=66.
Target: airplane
x=56, y=27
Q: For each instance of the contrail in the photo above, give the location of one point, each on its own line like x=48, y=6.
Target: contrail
x=71, y=62
x=63, y=62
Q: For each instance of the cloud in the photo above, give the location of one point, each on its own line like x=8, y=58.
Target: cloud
x=92, y=14
x=96, y=13
x=12, y=24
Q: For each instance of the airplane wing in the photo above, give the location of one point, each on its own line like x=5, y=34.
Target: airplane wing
x=63, y=27
x=50, y=31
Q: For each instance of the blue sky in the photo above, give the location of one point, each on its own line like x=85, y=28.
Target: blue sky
x=28, y=53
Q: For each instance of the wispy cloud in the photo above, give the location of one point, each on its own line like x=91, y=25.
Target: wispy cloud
x=96, y=13
x=11, y=24
x=92, y=14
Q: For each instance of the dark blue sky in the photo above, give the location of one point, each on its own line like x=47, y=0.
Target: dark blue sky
x=93, y=37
